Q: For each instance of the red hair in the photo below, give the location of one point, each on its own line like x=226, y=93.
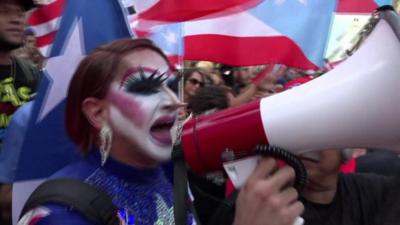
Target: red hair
x=93, y=78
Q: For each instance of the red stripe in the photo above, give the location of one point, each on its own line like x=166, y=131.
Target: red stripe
x=46, y=13
x=175, y=60
x=177, y=10
x=246, y=51
x=142, y=34
x=206, y=137
x=356, y=6
x=45, y=39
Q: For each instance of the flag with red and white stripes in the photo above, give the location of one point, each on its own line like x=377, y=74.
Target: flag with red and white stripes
x=44, y=22
x=293, y=33
x=226, y=31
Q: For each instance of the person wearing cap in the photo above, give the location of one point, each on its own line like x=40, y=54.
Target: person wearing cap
x=18, y=78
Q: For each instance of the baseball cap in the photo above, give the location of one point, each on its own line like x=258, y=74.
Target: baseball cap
x=26, y=4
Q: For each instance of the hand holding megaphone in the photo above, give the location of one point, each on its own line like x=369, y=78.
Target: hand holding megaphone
x=269, y=200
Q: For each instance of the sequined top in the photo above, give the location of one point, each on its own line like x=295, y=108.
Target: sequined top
x=142, y=196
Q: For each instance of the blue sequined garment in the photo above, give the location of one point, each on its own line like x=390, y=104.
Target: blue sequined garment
x=143, y=197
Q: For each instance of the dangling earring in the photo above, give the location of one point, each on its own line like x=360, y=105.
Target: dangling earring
x=106, y=140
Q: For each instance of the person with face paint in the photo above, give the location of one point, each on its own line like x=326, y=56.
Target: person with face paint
x=119, y=111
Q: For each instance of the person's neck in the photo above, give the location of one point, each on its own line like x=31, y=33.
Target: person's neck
x=129, y=157
x=5, y=58
x=322, y=191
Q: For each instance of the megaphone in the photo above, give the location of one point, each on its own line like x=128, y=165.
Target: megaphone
x=355, y=105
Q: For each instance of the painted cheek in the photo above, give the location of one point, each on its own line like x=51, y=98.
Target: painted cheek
x=128, y=107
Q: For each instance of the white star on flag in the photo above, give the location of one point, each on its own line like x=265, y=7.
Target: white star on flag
x=60, y=69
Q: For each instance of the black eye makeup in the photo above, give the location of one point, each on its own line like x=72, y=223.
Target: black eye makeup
x=173, y=83
x=145, y=85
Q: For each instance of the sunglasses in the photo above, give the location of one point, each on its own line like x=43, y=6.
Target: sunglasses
x=196, y=82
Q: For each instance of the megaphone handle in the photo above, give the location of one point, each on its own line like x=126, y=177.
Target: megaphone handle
x=239, y=170
x=289, y=158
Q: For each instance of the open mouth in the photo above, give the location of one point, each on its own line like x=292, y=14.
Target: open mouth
x=160, y=131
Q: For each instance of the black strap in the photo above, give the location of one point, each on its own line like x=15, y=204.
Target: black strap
x=94, y=205
x=225, y=213
x=180, y=186
x=31, y=73
x=181, y=201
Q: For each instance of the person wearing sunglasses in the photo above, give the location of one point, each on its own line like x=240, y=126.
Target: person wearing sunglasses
x=194, y=79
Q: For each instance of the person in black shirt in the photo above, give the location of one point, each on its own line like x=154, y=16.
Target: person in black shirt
x=379, y=161
x=18, y=79
x=332, y=198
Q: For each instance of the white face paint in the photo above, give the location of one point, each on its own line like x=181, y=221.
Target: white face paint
x=142, y=110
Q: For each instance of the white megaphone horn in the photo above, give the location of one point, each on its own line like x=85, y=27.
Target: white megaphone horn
x=355, y=105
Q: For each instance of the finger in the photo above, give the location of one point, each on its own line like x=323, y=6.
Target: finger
x=294, y=210
x=265, y=167
x=283, y=176
x=288, y=196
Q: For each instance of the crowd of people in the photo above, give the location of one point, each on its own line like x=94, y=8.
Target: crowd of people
x=121, y=122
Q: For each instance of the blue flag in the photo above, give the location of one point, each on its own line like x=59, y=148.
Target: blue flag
x=84, y=25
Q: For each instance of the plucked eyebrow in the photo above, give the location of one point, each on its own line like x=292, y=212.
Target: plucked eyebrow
x=138, y=70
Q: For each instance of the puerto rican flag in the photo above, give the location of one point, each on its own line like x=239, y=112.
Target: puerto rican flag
x=293, y=33
x=44, y=20
x=287, y=32
x=85, y=24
